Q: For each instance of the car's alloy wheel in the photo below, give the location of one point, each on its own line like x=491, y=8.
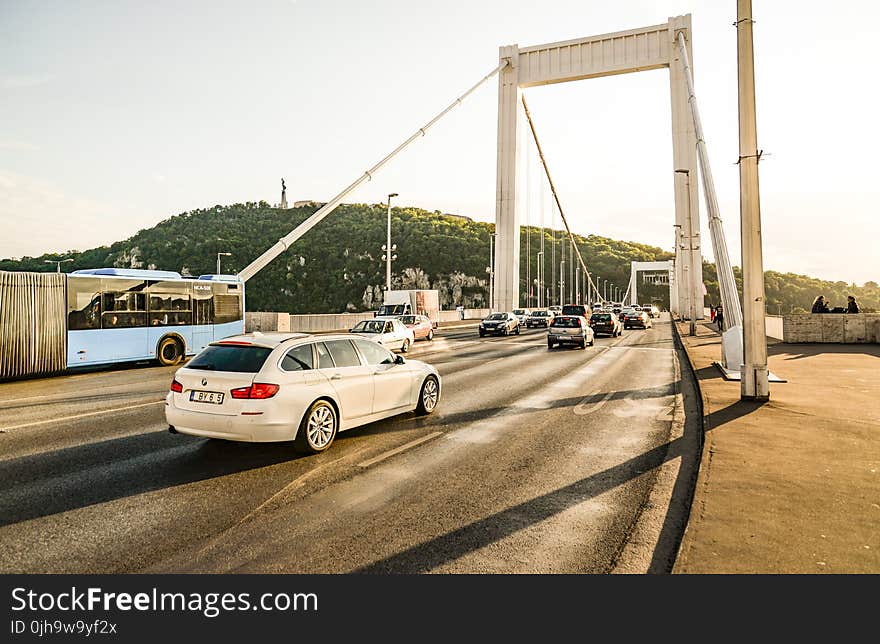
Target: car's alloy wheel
x=318, y=428
x=405, y=346
x=429, y=396
x=430, y=335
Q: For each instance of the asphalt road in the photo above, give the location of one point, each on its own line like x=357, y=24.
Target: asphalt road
x=535, y=461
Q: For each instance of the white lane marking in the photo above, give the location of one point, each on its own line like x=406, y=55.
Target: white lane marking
x=78, y=416
x=583, y=408
x=63, y=397
x=398, y=450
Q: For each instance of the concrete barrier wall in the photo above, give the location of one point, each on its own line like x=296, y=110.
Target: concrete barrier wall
x=313, y=323
x=773, y=323
x=469, y=314
x=858, y=328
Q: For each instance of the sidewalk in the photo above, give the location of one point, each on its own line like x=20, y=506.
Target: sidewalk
x=793, y=485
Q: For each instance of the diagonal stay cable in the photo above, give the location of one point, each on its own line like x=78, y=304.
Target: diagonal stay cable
x=556, y=196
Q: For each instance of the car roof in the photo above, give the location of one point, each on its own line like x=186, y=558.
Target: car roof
x=269, y=339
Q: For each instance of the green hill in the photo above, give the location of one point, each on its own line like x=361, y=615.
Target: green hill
x=337, y=266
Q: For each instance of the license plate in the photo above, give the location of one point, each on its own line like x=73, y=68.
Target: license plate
x=215, y=397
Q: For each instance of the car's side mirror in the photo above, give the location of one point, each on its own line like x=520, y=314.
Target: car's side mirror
x=399, y=360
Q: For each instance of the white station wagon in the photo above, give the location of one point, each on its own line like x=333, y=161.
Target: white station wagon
x=388, y=331
x=293, y=386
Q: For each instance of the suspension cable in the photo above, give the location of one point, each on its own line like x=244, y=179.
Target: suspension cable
x=577, y=251
x=284, y=243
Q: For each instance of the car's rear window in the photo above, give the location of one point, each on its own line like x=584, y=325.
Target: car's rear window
x=573, y=310
x=567, y=322
x=231, y=357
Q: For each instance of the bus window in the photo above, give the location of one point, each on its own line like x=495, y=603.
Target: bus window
x=124, y=304
x=227, y=304
x=83, y=303
x=168, y=309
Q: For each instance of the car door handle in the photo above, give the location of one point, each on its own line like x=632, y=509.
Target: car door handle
x=336, y=376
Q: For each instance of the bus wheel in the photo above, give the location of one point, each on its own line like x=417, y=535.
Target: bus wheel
x=169, y=352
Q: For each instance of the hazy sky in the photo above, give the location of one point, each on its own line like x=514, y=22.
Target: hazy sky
x=115, y=115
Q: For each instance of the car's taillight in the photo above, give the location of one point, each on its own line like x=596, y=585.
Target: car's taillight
x=176, y=387
x=262, y=390
x=257, y=391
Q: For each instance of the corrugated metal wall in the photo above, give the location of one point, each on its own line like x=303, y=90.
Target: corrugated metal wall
x=33, y=325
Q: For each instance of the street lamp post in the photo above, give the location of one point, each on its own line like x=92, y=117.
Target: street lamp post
x=219, y=255
x=540, y=279
x=58, y=263
x=388, y=248
x=754, y=382
x=490, y=269
x=689, y=264
x=577, y=284
x=562, y=281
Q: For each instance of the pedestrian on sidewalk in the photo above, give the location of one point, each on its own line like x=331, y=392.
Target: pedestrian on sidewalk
x=719, y=317
x=460, y=309
x=712, y=315
x=851, y=305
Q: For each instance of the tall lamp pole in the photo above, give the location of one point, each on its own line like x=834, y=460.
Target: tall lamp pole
x=540, y=279
x=490, y=269
x=388, y=248
x=562, y=281
x=219, y=255
x=754, y=381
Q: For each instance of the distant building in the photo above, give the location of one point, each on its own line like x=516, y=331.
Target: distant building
x=449, y=214
x=307, y=202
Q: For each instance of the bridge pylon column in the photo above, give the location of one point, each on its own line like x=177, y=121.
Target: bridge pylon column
x=689, y=264
x=507, y=215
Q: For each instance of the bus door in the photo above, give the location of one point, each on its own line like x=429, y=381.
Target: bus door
x=170, y=313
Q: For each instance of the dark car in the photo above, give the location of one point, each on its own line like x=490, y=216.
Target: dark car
x=499, y=324
x=606, y=324
x=637, y=318
x=576, y=309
